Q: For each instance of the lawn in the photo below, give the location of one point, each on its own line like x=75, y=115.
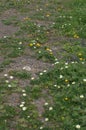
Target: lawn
x=42, y=65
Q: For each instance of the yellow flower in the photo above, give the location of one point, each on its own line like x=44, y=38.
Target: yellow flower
x=59, y=9
x=38, y=45
x=47, y=49
x=47, y=15
x=62, y=117
x=26, y=18
x=80, y=54
x=76, y=36
x=46, y=4
x=47, y=32
x=81, y=58
x=66, y=99
x=66, y=80
x=51, y=53
x=30, y=44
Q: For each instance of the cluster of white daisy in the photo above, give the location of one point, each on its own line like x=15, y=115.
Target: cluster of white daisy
x=24, y=93
x=56, y=61
x=22, y=105
x=63, y=16
x=50, y=109
x=8, y=80
x=20, y=43
x=6, y=75
x=41, y=73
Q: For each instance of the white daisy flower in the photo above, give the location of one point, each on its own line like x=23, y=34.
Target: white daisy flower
x=59, y=87
x=19, y=48
x=66, y=66
x=64, y=16
x=50, y=108
x=22, y=102
x=53, y=23
x=61, y=68
x=55, y=85
x=32, y=78
x=5, y=75
x=20, y=43
x=73, y=82
x=7, y=81
x=71, y=17
x=56, y=63
x=61, y=77
x=23, y=90
x=76, y=62
x=28, y=116
x=78, y=126
x=69, y=24
x=41, y=128
x=68, y=85
x=21, y=105
x=45, y=71
x=84, y=80
x=41, y=9
x=39, y=51
x=41, y=73
x=5, y=36
x=24, y=108
x=81, y=96
x=24, y=94
x=46, y=103
x=11, y=77
x=72, y=62
x=56, y=59
x=82, y=62
x=46, y=119
x=9, y=85
x=66, y=63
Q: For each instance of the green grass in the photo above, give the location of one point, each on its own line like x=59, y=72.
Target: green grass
x=5, y=63
x=20, y=74
x=72, y=22
x=11, y=21
x=65, y=85
x=54, y=32
x=11, y=47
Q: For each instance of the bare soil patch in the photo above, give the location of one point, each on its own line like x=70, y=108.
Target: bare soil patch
x=35, y=65
x=6, y=30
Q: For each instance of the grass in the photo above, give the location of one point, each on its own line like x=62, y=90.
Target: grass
x=54, y=33
x=11, y=47
x=20, y=74
x=10, y=21
x=72, y=22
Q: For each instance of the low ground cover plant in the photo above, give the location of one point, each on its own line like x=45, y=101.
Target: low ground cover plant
x=42, y=65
